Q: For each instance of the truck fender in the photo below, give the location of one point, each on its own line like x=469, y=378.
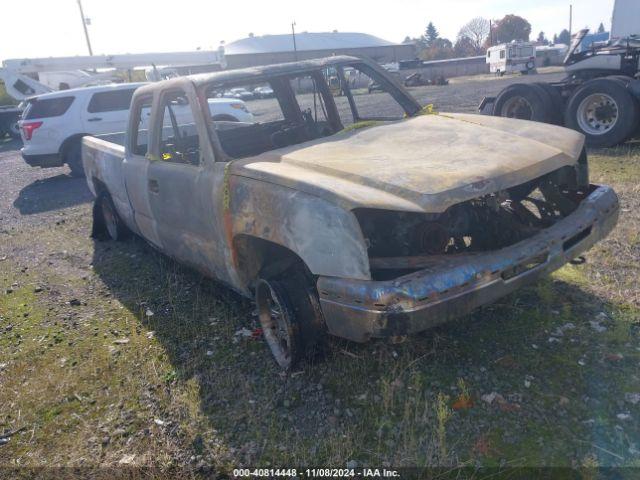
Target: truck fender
x=326, y=237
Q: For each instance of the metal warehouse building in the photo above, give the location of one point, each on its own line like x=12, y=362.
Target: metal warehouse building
x=269, y=49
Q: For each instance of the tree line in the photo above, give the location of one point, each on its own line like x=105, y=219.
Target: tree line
x=477, y=35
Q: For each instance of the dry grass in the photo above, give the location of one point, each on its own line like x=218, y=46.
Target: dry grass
x=148, y=369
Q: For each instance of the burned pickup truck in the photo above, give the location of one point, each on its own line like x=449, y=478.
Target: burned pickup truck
x=360, y=215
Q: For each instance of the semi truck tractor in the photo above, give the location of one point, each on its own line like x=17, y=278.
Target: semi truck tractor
x=599, y=97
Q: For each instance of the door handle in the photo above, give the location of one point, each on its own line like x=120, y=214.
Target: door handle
x=154, y=186
x=94, y=119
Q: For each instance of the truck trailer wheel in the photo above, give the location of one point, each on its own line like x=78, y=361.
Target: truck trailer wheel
x=556, y=107
x=526, y=102
x=107, y=224
x=604, y=111
x=290, y=316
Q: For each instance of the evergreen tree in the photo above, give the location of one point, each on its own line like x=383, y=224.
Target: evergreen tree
x=564, y=37
x=431, y=34
x=541, y=39
x=601, y=28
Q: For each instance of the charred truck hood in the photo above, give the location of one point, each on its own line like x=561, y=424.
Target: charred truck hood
x=423, y=164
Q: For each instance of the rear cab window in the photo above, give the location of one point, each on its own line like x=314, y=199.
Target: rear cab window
x=110, y=101
x=47, y=107
x=140, y=114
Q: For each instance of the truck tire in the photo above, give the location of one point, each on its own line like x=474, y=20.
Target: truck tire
x=14, y=130
x=290, y=316
x=625, y=80
x=107, y=224
x=526, y=101
x=556, y=107
x=604, y=111
x=73, y=158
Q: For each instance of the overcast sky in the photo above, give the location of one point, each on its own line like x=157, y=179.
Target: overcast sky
x=42, y=28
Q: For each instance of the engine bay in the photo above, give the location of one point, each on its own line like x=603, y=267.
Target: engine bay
x=400, y=243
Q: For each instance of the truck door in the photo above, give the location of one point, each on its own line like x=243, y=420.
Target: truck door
x=135, y=167
x=108, y=111
x=180, y=182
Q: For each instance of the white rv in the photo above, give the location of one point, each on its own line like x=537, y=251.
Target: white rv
x=514, y=57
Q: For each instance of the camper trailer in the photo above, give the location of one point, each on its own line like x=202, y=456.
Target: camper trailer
x=514, y=57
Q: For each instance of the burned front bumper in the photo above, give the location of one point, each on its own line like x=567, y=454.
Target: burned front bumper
x=456, y=284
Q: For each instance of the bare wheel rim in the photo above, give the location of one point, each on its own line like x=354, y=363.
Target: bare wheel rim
x=517, y=107
x=109, y=219
x=597, y=114
x=274, y=326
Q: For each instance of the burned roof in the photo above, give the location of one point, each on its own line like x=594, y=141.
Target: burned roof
x=229, y=76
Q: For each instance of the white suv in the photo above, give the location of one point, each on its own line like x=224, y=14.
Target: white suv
x=53, y=124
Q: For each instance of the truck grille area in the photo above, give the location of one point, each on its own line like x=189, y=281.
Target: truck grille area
x=400, y=243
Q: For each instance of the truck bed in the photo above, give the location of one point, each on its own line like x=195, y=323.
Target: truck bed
x=102, y=158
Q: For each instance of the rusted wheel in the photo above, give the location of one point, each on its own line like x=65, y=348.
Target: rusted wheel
x=291, y=318
x=106, y=221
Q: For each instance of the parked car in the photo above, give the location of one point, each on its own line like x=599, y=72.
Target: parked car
x=380, y=230
x=53, y=124
x=263, y=92
x=240, y=93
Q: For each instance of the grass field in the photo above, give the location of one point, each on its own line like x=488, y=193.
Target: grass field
x=111, y=354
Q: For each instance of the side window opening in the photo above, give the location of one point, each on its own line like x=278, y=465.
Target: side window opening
x=313, y=106
x=141, y=114
x=292, y=108
x=245, y=118
x=179, y=139
x=276, y=112
x=369, y=95
x=337, y=86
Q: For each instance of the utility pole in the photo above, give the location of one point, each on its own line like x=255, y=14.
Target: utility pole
x=84, y=25
x=570, y=20
x=293, y=33
x=491, y=33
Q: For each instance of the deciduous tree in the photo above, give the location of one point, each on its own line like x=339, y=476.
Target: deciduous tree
x=512, y=27
x=475, y=32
